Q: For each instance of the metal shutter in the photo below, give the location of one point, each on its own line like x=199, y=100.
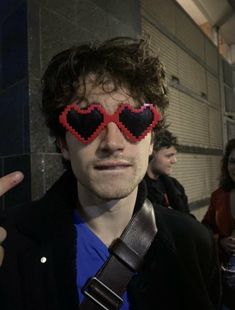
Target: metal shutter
x=229, y=99
x=162, y=46
x=215, y=128
x=211, y=56
x=162, y=11
x=213, y=89
x=191, y=74
x=188, y=119
x=194, y=112
x=199, y=174
x=189, y=33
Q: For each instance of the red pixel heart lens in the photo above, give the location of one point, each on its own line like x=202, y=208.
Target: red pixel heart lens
x=86, y=124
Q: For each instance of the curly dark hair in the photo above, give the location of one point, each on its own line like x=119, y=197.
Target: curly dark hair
x=225, y=180
x=164, y=138
x=128, y=62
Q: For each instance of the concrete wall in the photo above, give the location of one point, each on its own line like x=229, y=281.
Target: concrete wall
x=14, y=103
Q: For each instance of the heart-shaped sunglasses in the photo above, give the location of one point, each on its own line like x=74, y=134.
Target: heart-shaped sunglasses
x=86, y=124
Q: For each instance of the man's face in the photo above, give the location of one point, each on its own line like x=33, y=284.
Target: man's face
x=163, y=160
x=110, y=167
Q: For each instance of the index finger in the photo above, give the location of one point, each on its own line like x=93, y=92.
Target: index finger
x=9, y=181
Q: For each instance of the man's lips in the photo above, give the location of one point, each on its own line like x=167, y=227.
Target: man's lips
x=112, y=165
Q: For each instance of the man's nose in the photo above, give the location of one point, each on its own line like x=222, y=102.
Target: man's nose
x=174, y=159
x=112, y=138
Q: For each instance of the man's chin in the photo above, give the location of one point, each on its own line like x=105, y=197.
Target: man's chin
x=112, y=196
x=113, y=192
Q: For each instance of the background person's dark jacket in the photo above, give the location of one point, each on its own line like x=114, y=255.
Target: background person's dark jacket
x=167, y=191
x=180, y=270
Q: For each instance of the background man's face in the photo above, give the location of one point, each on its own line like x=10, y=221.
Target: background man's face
x=163, y=160
x=110, y=167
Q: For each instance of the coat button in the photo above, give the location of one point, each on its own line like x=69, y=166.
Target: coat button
x=43, y=260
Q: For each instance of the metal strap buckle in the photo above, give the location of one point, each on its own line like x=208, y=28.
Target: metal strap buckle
x=102, y=294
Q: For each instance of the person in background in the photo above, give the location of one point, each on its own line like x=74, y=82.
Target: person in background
x=162, y=187
x=103, y=103
x=220, y=218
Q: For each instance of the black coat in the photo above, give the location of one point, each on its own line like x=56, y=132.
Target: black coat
x=168, y=186
x=180, y=270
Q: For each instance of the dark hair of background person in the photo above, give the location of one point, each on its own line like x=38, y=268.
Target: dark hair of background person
x=225, y=180
x=127, y=62
x=164, y=138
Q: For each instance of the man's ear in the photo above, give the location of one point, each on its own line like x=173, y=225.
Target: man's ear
x=62, y=144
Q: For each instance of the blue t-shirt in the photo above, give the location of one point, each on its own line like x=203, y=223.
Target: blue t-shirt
x=91, y=255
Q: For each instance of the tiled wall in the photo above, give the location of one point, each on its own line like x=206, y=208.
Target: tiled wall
x=14, y=104
x=34, y=31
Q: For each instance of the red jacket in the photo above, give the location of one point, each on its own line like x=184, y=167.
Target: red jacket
x=218, y=216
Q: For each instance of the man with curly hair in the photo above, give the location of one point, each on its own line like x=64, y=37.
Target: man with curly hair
x=162, y=188
x=103, y=104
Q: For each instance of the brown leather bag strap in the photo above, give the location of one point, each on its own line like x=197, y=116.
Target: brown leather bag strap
x=106, y=288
